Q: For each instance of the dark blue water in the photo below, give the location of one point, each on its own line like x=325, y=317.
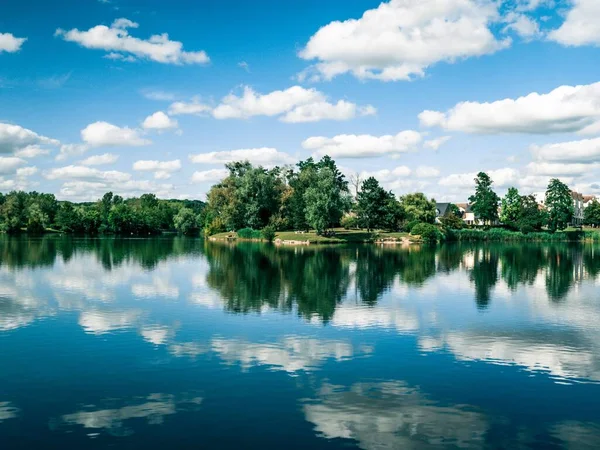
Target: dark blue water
x=180, y=343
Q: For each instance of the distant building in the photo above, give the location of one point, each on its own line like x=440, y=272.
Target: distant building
x=578, y=208
x=468, y=215
x=441, y=210
x=587, y=200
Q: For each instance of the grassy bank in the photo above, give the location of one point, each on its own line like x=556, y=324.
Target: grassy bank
x=339, y=236
x=503, y=235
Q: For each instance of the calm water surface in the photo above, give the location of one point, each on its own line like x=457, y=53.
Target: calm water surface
x=181, y=343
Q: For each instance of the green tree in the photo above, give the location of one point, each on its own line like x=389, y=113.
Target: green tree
x=325, y=202
x=14, y=212
x=531, y=217
x=559, y=204
x=394, y=214
x=185, y=221
x=418, y=209
x=592, y=214
x=485, y=200
x=36, y=219
x=372, y=202
x=511, y=208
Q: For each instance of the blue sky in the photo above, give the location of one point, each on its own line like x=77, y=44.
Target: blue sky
x=420, y=93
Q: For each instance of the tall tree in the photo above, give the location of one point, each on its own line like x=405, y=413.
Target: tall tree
x=418, y=208
x=325, y=202
x=592, y=214
x=372, y=201
x=559, y=204
x=485, y=200
x=511, y=208
x=531, y=217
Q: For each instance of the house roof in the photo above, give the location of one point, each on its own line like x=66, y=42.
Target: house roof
x=442, y=208
x=588, y=198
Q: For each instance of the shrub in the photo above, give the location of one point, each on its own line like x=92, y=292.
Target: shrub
x=426, y=231
x=249, y=233
x=349, y=222
x=268, y=233
x=408, y=226
x=214, y=227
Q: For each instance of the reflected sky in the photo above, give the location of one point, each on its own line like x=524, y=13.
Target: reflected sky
x=462, y=346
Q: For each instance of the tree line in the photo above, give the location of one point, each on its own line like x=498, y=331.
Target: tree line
x=112, y=214
x=310, y=195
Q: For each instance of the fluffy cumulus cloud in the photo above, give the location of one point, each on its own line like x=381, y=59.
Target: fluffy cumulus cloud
x=565, y=109
x=104, y=134
x=582, y=151
x=9, y=43
x=195, y=107
x=212, y=175
x=162, y=169
x=265, y=156
x=522, y=25
x=363, y=146
x=121, y=45
x=435, y=144
x=14, y=138
x=32, y=151
x=293, y=105
x=427, y=172
x=159, y=121
x=85, y=173
x=400, y=39
x=502, y=178
x=581, y=26
x=9, y=164
x=90, y=190
x=99, y=160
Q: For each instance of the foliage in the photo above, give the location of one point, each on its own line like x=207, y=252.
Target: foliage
x=185, y=221
x=485, y=200
x=325, y=201
x=530, y=217
x=452, y=221
x=426, y=231
x=349, y=221
x=592, y=214
x=249, y=233
x=511, y=208
x=36, y=219
x=417, y=208
x=376, y=208
x=268, y=233
x=559, y=204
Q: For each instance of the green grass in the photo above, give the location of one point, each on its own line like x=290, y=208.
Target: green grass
x=341, y=236
x=503, y=235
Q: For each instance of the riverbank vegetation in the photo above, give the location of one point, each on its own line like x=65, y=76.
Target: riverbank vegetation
x=310, y=201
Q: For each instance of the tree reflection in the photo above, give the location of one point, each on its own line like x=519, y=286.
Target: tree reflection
x=484, y=275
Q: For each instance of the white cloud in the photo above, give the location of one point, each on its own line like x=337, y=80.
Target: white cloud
x=565, y=109
x=162, y=169
x=265, y=156
x=14, y=138
x=9, y=43
x=427, y=172
x=363, y=146
x=244, y=65
x=524, y=26
x=560, y=169
x=387, y=175
x=9, y=164
x=583, y=151
x=159, y=121
x=209, y=175
x=67, y=150
x=116, y=39
x=24, y=172
x=581, y=26
x=32, y=151
x=194, y=107
x=85, y=173
x=98, y=160
x=502, y=178
x=104, y=134
x=435, y=144
x=400, y=39
x=82, y=190
x=295, y=104
x=315, y=112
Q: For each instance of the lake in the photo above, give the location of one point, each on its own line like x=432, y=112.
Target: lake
x=183, y=343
